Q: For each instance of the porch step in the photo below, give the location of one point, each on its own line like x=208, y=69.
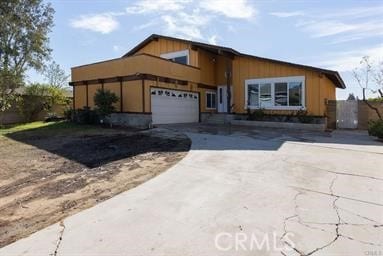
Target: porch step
x=215, y=119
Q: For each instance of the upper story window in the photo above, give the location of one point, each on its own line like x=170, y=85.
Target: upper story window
x=181, y=57
x=275, y=93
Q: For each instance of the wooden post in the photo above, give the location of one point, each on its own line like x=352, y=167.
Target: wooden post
x=121, y=96
x=143, y=95
x=74, y=97
x=228, y=88
x=87, y=100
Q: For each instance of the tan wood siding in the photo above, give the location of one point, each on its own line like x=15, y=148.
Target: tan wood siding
x=92, y=88
x=143, y=64
x=132, y=96
x=80, y=96
x=165, y=46
x=207, y=66
x=115, y=88
x=317, y=86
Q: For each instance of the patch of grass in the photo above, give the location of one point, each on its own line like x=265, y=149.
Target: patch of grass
x=48, y=128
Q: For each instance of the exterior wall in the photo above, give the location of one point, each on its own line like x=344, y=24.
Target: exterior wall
x=327, y=93
x=115, y=88
x=317, y=86
x=79, y=96
x=207, y=65
x=132, y=96
x=165, y=46
x=144, y=64
x=92, y=89
x=221, y=65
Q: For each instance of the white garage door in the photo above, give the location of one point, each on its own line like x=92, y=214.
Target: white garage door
x=172, y=106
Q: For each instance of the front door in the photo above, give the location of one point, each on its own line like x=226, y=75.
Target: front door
x=222, y=98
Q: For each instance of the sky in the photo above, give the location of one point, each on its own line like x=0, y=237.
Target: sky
x=332, y=34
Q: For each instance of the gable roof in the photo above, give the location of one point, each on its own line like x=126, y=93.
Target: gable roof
x=333, y=75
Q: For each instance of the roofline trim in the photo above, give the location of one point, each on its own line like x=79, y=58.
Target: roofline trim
x=329, y=73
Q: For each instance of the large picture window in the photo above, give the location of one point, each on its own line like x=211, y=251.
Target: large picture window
x=275, y=93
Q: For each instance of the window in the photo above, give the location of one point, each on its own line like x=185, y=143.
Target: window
x=265, y=99
x=220, y=95
x=253, y=95
x=295, y=94
x=275, y=93
x=211, y=100
x=280, y=94
x=181, y=57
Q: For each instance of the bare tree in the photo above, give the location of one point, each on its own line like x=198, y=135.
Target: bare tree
x=55, y=75
x=369, y=80
x=378, y=77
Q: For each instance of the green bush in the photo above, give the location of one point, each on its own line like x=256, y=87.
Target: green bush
x=256, y=115
x=69, y=114
x=104, y=100
x=375, y=128
x=38, y=97
x=86, y=116
x=304, y=117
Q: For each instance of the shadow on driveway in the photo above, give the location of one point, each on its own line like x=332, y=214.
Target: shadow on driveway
x=94, y=146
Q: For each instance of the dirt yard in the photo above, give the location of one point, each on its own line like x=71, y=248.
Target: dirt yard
x=51, y=172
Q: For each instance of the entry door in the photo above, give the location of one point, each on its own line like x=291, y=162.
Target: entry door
x=222, y=98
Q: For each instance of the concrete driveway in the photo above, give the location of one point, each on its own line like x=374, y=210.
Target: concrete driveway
x=239, y=191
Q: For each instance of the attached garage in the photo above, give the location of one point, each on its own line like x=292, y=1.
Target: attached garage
x=173, y=106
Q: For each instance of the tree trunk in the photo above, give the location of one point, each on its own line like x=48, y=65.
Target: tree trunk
x=371, y=106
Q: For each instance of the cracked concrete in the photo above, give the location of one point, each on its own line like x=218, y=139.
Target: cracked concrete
x=325, y=190
x=59, y=239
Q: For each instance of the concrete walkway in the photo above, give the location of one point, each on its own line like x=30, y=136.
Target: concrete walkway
x=239, y=192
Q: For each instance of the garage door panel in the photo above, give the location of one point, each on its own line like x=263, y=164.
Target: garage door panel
x=172, y=106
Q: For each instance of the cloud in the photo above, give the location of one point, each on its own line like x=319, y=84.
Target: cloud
x=287, y=14
x=103, y=23
x=117, y=48
x=339, y=25
x=325, y=28
x=360, y=12
x=147, y=6
x=240, y=9
x=349, y=60
x=213, y=39
x=188, y=26
x=190, y=19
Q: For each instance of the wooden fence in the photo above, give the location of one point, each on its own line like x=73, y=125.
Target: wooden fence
x=13, y=115
x=344, y=114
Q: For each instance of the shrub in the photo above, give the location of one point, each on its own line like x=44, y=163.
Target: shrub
x=304, y=117
x=69, y=114
x=86, y=116
x=375, y=128
x=256, y=115
x=104, y=100
x=53, y=117
x=38, y=97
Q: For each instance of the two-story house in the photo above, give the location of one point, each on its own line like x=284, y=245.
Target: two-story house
x=170, y=80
